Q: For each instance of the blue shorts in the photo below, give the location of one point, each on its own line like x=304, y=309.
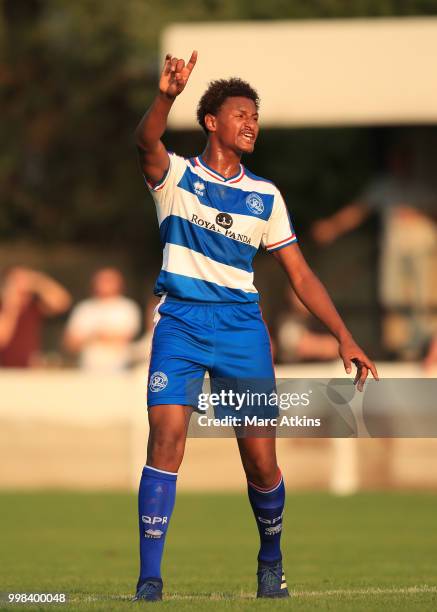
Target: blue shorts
x=229, y=341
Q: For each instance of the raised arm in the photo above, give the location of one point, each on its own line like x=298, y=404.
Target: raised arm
x=55, y=299
x=348, y=218
x=153, y=155
x=315, y=297
x=20, y=288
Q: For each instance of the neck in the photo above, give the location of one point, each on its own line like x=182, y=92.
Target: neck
x=224, y=161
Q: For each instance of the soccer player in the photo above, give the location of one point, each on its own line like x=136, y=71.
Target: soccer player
x=213, y=215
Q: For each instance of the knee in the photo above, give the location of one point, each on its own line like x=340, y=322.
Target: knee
x=263, y=472
x=165, y=450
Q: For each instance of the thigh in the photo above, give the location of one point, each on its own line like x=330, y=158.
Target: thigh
x=242, y=345
x=179, y=358
x=243, y=364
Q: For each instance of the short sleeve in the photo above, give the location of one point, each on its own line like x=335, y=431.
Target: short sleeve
x=279, y=230
x=163, y=192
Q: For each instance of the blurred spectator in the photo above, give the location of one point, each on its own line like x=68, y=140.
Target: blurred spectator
x=27, y=296
x=430, y=361
x=298, y=337
x=407, y=250
x=101, y=328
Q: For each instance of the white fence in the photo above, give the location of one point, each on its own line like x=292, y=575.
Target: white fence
x=69, y=429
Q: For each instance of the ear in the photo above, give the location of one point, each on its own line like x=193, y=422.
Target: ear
x=210, y=123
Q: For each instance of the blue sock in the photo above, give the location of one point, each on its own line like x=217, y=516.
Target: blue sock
x=268, y=508
x=156, y=500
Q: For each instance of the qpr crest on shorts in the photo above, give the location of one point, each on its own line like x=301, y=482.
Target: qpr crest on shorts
x=158, y=381
x=255, y=204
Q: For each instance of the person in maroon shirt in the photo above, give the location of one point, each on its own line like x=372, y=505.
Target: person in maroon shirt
x=26, y=297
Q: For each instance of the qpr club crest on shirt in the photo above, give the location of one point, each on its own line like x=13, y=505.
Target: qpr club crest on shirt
x=158, y=381
x=255, y=204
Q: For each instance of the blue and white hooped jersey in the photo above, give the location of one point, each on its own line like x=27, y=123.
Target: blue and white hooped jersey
x=211, y=228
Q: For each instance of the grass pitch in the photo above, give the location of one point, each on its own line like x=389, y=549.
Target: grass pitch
x=372, y=551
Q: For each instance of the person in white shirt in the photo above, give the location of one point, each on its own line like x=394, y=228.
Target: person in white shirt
x=101, y=328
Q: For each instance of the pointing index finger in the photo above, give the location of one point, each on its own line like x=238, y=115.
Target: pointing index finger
x=192, y=61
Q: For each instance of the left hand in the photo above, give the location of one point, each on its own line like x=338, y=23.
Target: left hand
x=350, y=353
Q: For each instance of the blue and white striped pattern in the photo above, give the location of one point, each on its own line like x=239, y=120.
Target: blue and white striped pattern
x=211, y=228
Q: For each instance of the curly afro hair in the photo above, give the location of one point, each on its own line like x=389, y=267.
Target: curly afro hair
x=217, y=93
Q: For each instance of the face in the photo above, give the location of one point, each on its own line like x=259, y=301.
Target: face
x=236, y=124
x=107, y=283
